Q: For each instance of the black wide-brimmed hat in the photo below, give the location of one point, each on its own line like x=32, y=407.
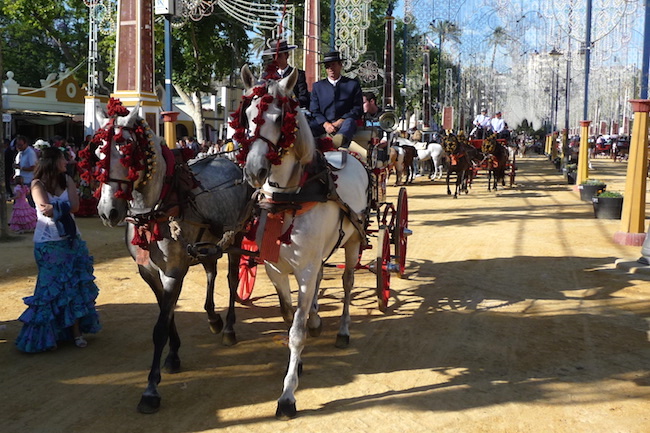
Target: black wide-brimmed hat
x=332, y=56
x=273, y=47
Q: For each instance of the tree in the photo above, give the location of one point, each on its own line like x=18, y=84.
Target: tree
x=42, y=36
x=498, y=38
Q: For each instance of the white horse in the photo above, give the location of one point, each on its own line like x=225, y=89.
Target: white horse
x=431, y=152
x=169, y=216
x=276, y=162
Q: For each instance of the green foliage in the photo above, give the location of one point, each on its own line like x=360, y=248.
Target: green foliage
x=595, y=182
x=43, y=36
x=611, y=194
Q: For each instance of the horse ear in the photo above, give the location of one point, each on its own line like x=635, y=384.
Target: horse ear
x=247, y=77
x=133, y=114
x=287, y=83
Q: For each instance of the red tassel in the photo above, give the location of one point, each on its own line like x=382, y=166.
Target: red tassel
x=286, y=237
x=137, y=239
x=155, y=233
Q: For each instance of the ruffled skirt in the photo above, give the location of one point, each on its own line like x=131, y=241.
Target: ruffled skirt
x=65, y=292
x=23, y=218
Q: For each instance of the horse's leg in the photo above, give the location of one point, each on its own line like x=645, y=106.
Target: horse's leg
x=448, y=180
x=297, y=335
x=229, y=337
x=214, y=319
x=351, y=259
x=280, y=281
x=164, y=330
x=314, y=322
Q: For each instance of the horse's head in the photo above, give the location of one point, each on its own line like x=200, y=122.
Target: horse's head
x=272, y=131
x=125, y=150
x=450, y=143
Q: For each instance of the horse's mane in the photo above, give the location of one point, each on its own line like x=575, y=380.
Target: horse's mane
x=304, y=146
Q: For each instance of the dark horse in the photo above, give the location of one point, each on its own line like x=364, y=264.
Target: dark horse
x=496, y=157
x=460, y=155
x=179, y=215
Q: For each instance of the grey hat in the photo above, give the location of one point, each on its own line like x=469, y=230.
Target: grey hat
x=332, y=56
x=273, y=47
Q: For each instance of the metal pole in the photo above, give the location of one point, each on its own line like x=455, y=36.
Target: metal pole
x=646, y=52
x=332, y=23
x=167, y=103
x=585, y=111
x=405, y=124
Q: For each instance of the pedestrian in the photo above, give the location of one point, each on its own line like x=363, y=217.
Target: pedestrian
x=25, y=163
x=336, y=103
x=23, y=216
x=63, y=305
x=279, y=52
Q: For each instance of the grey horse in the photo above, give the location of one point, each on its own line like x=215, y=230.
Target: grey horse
x=179, y=215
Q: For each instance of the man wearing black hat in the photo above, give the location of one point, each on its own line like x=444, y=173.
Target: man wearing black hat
x=279, y=51
x=336, y=103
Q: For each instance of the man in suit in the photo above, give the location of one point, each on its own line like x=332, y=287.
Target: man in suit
x=336, y=103
x=279, y=51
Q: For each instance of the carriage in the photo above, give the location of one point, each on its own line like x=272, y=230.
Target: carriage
x=510, y=167
x=390, y=225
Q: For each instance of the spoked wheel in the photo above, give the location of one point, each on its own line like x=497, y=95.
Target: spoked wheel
x=382, y=267
x=401, y=231
x=247, y=271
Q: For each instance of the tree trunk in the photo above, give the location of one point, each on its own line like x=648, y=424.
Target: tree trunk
x=4, y=231
x=195, y=110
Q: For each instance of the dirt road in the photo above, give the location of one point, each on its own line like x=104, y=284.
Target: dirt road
x=513, y=318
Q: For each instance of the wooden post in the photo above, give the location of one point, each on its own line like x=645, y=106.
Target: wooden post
x=633, y=216
x=311, y=44
x=583, y=155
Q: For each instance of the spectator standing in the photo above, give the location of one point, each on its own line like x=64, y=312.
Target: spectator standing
x=63, y=304
x=25, y=163
x=23, y=216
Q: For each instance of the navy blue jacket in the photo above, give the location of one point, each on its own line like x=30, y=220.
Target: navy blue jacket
x=300, y=90
x=330, y=103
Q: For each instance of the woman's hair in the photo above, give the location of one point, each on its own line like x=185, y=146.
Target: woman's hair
x=48, y=172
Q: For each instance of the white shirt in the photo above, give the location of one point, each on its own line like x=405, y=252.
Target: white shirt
x=26, y=158
x=46, y=230
x=498, y=125
x=482, y=120
x=333, y=82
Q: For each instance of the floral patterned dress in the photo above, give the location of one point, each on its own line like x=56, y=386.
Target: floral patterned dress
x=65, y=289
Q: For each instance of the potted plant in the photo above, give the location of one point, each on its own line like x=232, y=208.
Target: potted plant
x=608, y=205
x=571, y=173
x=591, y=187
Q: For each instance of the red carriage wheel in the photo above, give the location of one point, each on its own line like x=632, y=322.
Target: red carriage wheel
x=382, y=267
x=247, y=271
x=401, y=231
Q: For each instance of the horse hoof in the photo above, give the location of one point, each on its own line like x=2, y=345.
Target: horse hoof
x=342, y=341
x=229, y=339
x=315, y=332
x=172, y=364
x=149, y=404
x=286, y=410
x=216, y=325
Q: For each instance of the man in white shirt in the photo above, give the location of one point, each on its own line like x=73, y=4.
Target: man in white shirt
x=25, y=163
x=499, y=125
x=481, y=124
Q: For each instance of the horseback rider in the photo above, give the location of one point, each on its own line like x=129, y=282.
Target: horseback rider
x=481, y=124
x=499, y=126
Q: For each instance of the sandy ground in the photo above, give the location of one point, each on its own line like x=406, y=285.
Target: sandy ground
x=513, y=318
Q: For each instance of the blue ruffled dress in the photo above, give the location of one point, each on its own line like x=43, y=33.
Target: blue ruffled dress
x=65, y=292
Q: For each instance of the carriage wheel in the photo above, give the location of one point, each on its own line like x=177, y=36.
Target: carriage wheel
x=382, y=268
x=400, y=230
x=247, y=272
